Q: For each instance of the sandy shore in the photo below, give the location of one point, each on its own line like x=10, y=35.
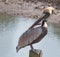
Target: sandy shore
x=27, y=9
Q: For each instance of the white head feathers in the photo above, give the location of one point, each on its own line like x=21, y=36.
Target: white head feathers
x=49, y=10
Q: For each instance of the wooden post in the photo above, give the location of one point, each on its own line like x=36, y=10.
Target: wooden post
x=37, y=53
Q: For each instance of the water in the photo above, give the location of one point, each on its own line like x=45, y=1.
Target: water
x=11, y=28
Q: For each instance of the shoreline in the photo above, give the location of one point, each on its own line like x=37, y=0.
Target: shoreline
x=27, y=9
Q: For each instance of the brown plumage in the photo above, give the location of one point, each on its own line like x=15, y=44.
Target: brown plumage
x=34, y=34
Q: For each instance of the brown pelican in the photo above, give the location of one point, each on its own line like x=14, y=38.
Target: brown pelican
x=35, y=33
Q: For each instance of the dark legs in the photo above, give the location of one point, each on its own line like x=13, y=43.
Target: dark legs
x=31, y=47
x=34, y=50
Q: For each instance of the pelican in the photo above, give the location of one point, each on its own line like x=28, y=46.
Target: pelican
x=36, y=33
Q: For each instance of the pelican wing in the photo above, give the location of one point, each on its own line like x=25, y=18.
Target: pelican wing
x=29, y=36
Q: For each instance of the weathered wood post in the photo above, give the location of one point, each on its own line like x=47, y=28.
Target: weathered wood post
x=37, y=53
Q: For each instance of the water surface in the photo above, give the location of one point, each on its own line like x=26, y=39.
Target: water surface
x=11, y=28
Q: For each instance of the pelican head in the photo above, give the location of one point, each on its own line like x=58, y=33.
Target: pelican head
x=49, y=10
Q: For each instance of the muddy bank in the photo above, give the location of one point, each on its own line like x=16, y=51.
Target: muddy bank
x=27, y=9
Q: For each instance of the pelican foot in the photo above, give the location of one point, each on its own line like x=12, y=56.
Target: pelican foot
x=36, y=51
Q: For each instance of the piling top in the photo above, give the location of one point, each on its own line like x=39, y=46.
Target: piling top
x=36, y=53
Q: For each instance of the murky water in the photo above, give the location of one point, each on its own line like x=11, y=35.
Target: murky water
x=11, y=29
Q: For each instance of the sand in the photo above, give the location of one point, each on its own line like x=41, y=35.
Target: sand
x=28, y=9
